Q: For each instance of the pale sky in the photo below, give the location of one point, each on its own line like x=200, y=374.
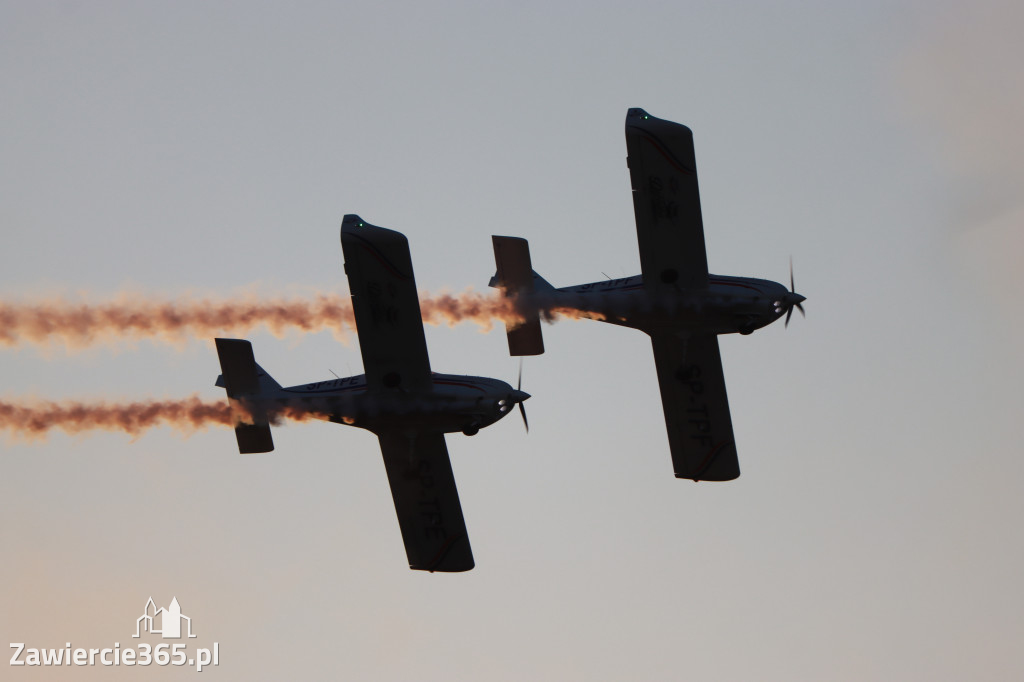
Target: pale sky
x=213, y=148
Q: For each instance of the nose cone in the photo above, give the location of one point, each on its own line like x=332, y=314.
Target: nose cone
x=793, y=298
x=519, y=396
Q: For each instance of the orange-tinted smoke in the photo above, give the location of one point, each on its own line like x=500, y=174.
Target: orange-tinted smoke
x=82, y=324
x=125, y=317
x=34, y=419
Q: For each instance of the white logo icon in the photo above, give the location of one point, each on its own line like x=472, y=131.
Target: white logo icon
x=170, y=621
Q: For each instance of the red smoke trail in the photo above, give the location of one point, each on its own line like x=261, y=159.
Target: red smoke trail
x=34, y=419
x=82, y=324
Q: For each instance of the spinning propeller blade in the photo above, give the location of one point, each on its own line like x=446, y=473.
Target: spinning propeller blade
x=793, y=299
x=519, y=388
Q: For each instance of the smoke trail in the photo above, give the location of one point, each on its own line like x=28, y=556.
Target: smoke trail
x=82, y=324
x=125, y=317
x=34, y=419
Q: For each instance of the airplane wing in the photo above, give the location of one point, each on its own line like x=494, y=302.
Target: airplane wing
x=386, y=305
x=669, y=229
x=426, y=501
x=394, y=351
x=696, y=407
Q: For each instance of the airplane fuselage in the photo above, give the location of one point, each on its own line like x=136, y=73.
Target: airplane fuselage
x=454, y=403
x=729, y=304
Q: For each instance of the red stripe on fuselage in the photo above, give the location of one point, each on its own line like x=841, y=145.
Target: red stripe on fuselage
x=734, y=283
x=449, y=382
x=637, y=287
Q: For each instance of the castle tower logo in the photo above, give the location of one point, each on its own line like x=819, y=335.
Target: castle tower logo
x=169, y=620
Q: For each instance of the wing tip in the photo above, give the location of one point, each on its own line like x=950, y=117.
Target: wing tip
x=357, y=230
x=707, y=479
x=461, y=568
x=454, y=556
x=642, y=120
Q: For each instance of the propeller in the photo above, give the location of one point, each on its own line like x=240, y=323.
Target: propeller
x=793, y=299
x=519, y=396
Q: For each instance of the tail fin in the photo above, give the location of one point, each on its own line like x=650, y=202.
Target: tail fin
x=243, y=378
x=516, y=277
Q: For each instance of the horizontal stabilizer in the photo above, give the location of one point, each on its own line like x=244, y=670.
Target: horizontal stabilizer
x=253, y=438
x=238, y=366
x=515, y=277
x=242, y=378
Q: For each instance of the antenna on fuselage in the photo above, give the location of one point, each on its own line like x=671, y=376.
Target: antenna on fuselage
x=332, y=372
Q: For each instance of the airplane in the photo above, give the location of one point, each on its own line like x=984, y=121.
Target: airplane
x=675, y=301
x=399, y=399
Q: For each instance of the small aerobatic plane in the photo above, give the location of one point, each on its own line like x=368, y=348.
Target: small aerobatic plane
x=399, y=399
x=675, y=300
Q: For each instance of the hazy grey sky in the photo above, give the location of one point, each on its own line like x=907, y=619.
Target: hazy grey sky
x=214, y=147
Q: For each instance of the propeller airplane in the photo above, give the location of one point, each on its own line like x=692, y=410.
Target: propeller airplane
x=399, y=398
x=675, y=300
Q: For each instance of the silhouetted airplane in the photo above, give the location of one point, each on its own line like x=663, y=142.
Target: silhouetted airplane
x=399, y=399
x=675, y=301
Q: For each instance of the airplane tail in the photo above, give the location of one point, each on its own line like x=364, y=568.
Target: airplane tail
x=243, y=378
x=515, y=276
